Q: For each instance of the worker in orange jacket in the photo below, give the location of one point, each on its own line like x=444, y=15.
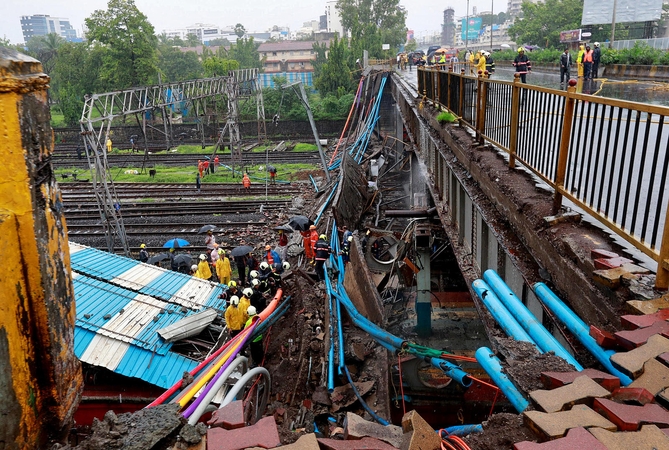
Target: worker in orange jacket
x=246, y=181
x=313, y=237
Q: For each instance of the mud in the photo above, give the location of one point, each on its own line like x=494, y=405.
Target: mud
x=500, y=432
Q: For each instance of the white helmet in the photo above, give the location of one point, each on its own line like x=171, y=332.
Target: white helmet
x=247, y=292
x=255, y=282
x=202, y=257
x=596, y=44
x=234, y=300
x=251, y=311
x=350, y=238
x=264, y=265
x=285, y=265
x=193, y=267
x=253, y=274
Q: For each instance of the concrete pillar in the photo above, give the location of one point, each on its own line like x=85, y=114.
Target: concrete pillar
x=40, y=378
x=423, y=300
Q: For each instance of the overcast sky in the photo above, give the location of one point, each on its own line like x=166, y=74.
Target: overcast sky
x=256, y=15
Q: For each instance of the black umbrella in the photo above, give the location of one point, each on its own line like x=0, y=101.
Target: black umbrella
x=157, y=258
x=285, y=228
x=300, y=223
x=206, y=228
x=183, y=260
x=241, y=250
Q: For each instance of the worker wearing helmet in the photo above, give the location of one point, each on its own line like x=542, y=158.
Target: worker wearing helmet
x=323, y=250
x=274, y=278
x=245, y=300
x=346, y=250
x=235, y=317
x=257, y=352
x=264, y=271
x=480, y=63
x=596, y=56
x=258, y=300
x=272, y=256
x=314, y=238
x=522, y=64
x=231, y=291
x=253, y=274
x=143, y=254
x=223, y=270
x=193, y=270
x=285, y=265
x=306, y=243
x=579, y=60
x=489, y=64
x=203, y=269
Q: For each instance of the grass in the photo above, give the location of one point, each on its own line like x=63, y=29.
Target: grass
x=303, y=147
x=57, y=119
x=446, y=117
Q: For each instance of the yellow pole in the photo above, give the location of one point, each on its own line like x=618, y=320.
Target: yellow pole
x=662, y=277
x=515, y=120
x=40, y=378
x=563, y=154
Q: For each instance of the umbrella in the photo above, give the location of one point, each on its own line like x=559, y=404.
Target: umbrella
x=206, y=228
x=176, y=243
x=157, y=258
x=241, y=250
x=300, y=223
x=505, y=46
x=183, y=260
x=285, y=228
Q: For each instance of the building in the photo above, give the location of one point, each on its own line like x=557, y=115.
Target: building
x=333, y=18
x=204, y=33
x=448, y=28
x=287, y=56
x=43, y=24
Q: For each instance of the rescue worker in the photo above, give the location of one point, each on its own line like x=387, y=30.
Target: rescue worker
x=235, y=317
x=253, y=274
x=246, y=182
x=346, y=234
x=244, y=302
x=489, y=64
x=143, y=254
x=579, y=60
x=258, y=300
x=480, y=63
x=109, y=145
x=264, y=271
x=203, y=268
x=272, y=257
x=194, y=272
x=323, y=250
x=471, y=62
x=442, y=59
x=257, y=351
x=272, y=174
x=522, y=64
x=223, y=270
x=306, y=243
x=261, y=285
x=314, y=239
x=210, y=241
x=587, y=63
x=274, y=278
x=346, y=250
x=251, y=263
x=230, y=292
x=596, y=56
x=240, y=262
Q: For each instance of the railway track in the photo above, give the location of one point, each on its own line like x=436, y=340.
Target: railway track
x=77, y=192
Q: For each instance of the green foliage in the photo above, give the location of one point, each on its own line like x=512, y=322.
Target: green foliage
x=446, y=117
x=215, y=66
x=176, y=65
x=372, y=23
x=192, y=40
x=303, y=147
x=128, y=37
x=334, y=77
x=45, y=49
x=542, y=22
x=411, y=46
x=245, y=51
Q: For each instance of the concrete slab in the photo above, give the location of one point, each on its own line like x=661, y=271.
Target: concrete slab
x=631, y=417
x=355, y=427
x=229, y=417
x=263, y=434
x=610, y=278
x=554, y=425
x=631, y=339
x=634, y=321
x=649, y=438
x=581, y=391
x=664, y=358
x=611, y=263
x=604, y=338
x=552, y=380
x=655, y=377
x=362, y=444
x=305, y=442
x=596, y=253
x=418, y=434
x=635, y=396
x=635, y=269
x=632, y=362
x=576, y=439
x=648, y=306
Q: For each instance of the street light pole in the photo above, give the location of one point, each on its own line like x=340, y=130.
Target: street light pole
x=613, y=23
x=492, y=19
x=467, y=28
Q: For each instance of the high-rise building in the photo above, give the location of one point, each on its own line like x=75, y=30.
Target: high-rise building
x=333, y=18
x=43, y=24
x=448, y=28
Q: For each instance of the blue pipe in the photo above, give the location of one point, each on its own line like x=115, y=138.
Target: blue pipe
x=325, y=205
x=545, y=341
x=464, y=430
x=363, y=403
x=500, y=313
x=314, y=183
x=578, y=328
x=493, y=368
x=331, y=354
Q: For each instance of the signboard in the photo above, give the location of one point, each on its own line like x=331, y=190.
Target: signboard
x=385, y=46
x=570, y=36
x=597, y=12
x=409, y=35
x=472, y=29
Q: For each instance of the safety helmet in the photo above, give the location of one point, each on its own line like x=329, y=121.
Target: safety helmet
x=172, y=250
x=234, y=300
x=322, y=236
x=202, y=257
x=255, y=282
x=253, y=274
x=193, y=267
x=267, y=247
x=312, y=227
x=210, y=232
x=285, y=265
x=521, y=49
x=350, y=238
x=596, y=44
x=233, y=283
x=264, y=265
x=247, y=292
x=142, y=246
x=251, y=311
x=221, y=251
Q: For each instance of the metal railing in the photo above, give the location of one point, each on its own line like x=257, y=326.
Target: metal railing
x=609, y=157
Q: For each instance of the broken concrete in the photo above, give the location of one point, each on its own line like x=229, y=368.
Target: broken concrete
x=581, y=391
x=230, y=417
x=418, y=434
x=555, y=425
x=263, y=434
x=648, y=306
x=355, y=427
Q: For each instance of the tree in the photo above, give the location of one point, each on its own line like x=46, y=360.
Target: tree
x=192, y=40
x=372, y=23
x=215, y=66
x=45, y=49
x=176, y=65
x=542, y=22
x=240, y=31
x=335, y=75
x=411, y=46
x=131, y=57
x=245, y=51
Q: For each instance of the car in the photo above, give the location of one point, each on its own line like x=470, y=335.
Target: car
x=432, y=48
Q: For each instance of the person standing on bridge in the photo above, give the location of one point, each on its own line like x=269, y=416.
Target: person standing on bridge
x=489, y=64
x=565, y=65
x=579, y=60
x=587, y=63
x=596, y=56
x=522, y=64
x=480, y=64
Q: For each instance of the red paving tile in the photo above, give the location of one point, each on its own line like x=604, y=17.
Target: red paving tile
x=229, y=417
x=576, y=439
x=639, y=396
x=611, y=263
x=634, y=321
x=664, y=358
x=596, y=253
x=631, y=339
x=552, y=380
x=603, y=338
x=263, y=434
x=362, y=444
x=631, y=417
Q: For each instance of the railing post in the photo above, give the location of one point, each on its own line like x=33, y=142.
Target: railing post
x=461, y=100
x=438, y=76
x=482, y=95
x=515, y=116
x=662, y=277
x=448, y=89
x=563, y=154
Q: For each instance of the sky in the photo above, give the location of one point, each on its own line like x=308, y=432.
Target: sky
x=423, y=16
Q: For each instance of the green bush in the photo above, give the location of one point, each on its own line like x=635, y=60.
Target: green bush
x=446, y=117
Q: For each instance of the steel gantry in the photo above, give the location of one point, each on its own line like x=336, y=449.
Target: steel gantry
x=100, y=110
